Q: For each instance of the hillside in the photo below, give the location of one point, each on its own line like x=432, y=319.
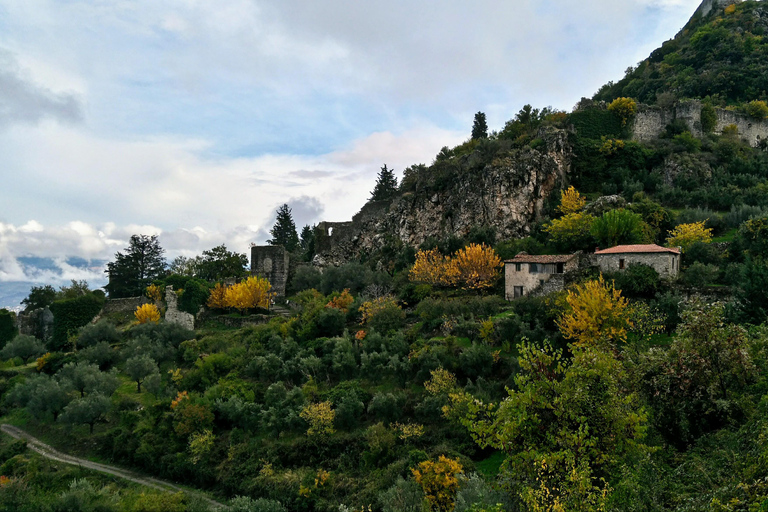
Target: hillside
x=722, y=55
x=395, y=377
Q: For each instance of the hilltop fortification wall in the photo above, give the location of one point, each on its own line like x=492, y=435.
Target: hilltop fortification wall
x=650, y=122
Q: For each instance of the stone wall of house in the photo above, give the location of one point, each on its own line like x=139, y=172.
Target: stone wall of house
x=532, y=283
x=665, y=263
x=273, y=263
x=173, y=315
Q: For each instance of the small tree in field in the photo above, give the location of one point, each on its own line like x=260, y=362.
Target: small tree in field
x=139, y=368
x=88, y=410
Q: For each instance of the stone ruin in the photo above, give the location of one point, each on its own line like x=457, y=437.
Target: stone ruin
x=273, y=263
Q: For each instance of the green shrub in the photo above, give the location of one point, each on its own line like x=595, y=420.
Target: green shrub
x=69, y=315
x=756, y=109
x=637, y=281
x=329, y=322
x=23, y=346
x=7, y=328
x=92, y=334
x=246, y=504
x=195, y=295
x=708, y=118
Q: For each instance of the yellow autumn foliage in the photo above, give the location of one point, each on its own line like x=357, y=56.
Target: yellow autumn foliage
x=596, y=313
x=477, y=267
x=371, y=308
x=433, y=268
x=147, y=313
x=474, y=267
x=341, y=302
x=442, y=381
x=216, y=297
x=320, y=418
x=685, y=235
x=154, y=292
x=571, y=201
x=440, y=482
x=624, y=108
x=254, y=292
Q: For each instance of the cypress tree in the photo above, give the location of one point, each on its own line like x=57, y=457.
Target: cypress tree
x=284, y=231
x=386, y=185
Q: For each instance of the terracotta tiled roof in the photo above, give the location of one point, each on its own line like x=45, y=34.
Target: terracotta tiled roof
x=546, y=258
x=622, y=249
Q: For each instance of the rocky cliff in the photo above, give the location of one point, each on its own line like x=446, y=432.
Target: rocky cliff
x=505, y=191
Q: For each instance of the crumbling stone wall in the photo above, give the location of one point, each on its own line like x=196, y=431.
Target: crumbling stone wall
x=173, y=315
x=651, y=121
x=273, y=263
x=126, y=305
x=37, y=323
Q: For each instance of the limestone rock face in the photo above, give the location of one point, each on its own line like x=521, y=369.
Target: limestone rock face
x=507, y=194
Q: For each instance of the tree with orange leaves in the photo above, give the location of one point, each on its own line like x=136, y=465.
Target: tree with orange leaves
x=477, y=267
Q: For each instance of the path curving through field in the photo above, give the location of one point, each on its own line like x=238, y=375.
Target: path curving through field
x=50, y=452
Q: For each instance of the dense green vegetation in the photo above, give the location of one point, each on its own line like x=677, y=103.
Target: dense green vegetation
x=723, y=56
x=375, y=390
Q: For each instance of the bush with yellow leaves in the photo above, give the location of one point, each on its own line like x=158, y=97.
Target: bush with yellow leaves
x=154, y=293
x=254, y=292
x=440, y=482
x=475, y=267
x=341, y=301
x=597, y=313
x=147, y=313
x=685, y=235
x=320, y=418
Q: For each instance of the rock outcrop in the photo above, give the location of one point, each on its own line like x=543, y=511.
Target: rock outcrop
x=507, y=194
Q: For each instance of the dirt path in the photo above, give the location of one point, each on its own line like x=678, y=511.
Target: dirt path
x=49, y=452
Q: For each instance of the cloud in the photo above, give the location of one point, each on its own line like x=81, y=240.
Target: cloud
x=24, y=101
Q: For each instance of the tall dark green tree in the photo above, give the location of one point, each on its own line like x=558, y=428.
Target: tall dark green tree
x=386, y=185
x=219, y=263
x=284, y=231
x=39, y=297
x=307, y=241
x=480, y=127
x=132, y=272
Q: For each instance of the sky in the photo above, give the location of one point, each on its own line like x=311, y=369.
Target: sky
x=195, y=120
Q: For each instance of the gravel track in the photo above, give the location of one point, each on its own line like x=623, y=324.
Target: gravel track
x=50, y=452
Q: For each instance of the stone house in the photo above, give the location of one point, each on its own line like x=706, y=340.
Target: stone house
x=664, y=260
x=525, y=274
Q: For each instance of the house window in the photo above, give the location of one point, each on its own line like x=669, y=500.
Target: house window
x=517, y=292
x=518, y=267
x=533, y=268
x=541, y=282
x=621, y=264
x=560, y=268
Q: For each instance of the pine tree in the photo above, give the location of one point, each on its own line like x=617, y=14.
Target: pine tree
x=386, y=185
x=133, y=271
x=480, y=127
x=284, y=231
